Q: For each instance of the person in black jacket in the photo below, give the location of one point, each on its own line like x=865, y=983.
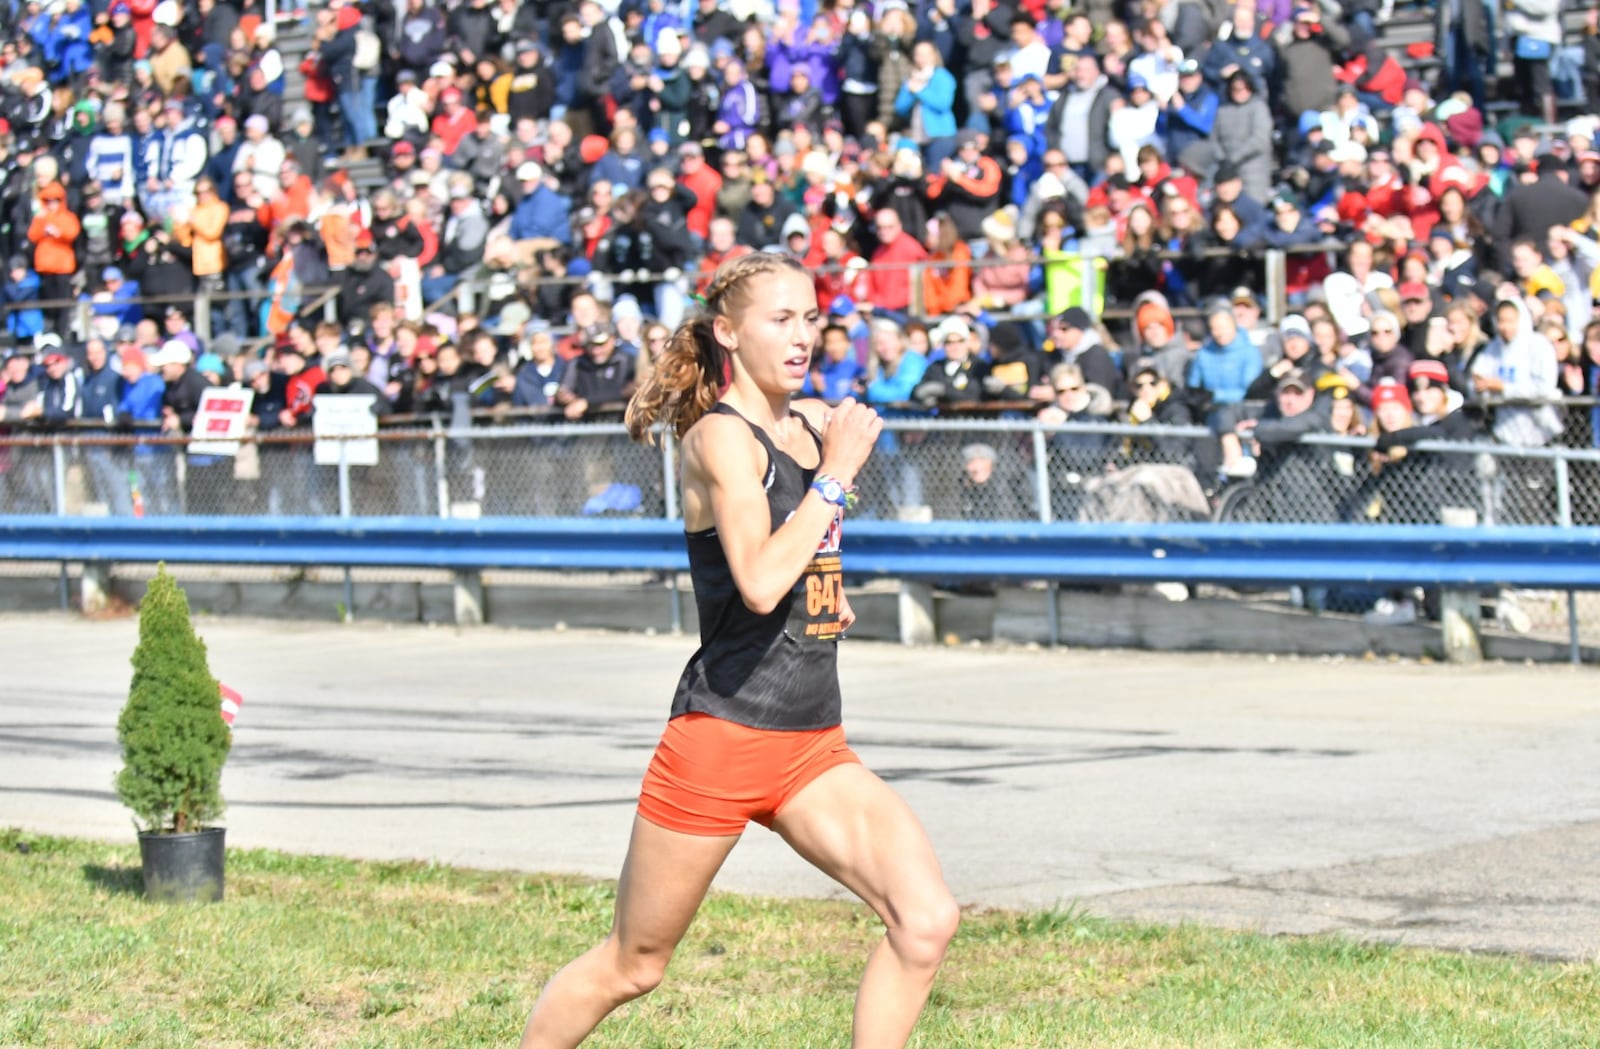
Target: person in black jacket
x=364, y=284
x=185, y=387
x=1532, y=208
x=533, y=87
x=762, y=220
x=1406, y=488
x=1076, y=341
x=1294, y=335
x=956, y=377
x=162, y=265
x=982, y=35
x=116, y=58
x=473, y=27
x=665, y=210
x=342, y=379
x=602, y=378
x=601, y=57
x=712, y=23
x=421, y=38
x=393, y=233
x=244, y=244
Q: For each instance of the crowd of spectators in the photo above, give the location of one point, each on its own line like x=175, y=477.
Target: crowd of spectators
x=1028, y=207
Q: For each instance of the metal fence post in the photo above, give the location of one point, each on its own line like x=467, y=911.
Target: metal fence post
x=1041, y=481
x=915, y=277
x=202, y=310
x=669, y=473
x=58, y=456
x=1041, y=475
x=1277, y=266
x=344, y=512
x=441, y=483
x=1564, y=519
x=669, y=491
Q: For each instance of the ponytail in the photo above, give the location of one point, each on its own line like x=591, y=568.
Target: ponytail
x=684, y=383
x=690, y=375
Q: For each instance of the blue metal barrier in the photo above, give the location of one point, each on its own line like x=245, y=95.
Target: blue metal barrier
x=1240, y=554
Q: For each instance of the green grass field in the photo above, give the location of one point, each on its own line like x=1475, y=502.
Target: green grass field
x=316, y=951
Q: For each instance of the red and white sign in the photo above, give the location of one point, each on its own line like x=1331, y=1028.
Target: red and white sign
x=221, y=420
x=231, y=702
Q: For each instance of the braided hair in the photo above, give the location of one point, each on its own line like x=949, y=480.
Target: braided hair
x=692, y=372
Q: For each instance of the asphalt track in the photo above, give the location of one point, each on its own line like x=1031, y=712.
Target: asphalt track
x=1409, y=803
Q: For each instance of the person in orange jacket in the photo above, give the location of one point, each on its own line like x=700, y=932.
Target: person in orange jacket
x=207, y=222
x=54, y=231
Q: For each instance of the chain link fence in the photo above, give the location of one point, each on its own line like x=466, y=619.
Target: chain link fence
x=925, y=469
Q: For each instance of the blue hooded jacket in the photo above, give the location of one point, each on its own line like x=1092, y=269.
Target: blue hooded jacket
x=938, y=99
x=65, y=44
x=542, y=213
x=1226, y=371
x=23, y=324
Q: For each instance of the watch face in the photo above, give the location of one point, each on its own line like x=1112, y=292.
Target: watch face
x=831, y=491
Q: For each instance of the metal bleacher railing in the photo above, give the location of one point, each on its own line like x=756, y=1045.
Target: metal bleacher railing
x=484, y=290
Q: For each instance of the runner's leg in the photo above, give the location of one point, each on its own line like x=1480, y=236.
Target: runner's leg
x=854, y=828
x=664, y=878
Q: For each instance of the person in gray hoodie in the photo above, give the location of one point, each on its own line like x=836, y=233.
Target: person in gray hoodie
x=1080, y=120
x=1519, y=364
x=1243, y=136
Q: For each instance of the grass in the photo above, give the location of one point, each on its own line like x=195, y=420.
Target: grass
x=319, y=951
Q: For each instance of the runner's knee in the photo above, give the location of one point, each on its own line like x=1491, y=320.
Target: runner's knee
x=639, y=973
x=924, y=930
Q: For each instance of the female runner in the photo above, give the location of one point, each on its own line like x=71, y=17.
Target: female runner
x=755, y=727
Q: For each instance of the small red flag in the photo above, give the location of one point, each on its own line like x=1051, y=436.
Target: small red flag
x=231, y=702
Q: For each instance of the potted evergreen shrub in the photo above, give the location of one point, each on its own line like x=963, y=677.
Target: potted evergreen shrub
x=174, y=743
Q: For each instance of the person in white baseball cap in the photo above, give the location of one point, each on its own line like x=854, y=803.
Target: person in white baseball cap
x=172, y=352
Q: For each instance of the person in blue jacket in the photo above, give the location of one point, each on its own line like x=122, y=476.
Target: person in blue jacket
x=119, y=299
x=926, y=102
x=62, y=36
x=835, y=371
x=897, y=371
x=542, y=212
x=21, y=285
x=1191, y=111
x=1228, y=361
x=153, y=480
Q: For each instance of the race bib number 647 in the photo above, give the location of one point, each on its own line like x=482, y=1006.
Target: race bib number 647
x=818, y=612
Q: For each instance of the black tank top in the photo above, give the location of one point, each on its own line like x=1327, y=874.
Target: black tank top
x=777, y=671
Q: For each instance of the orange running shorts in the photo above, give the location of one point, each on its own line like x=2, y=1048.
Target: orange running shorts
x=710, y=777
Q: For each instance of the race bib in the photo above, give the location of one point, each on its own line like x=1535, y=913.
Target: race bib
x=818, y=610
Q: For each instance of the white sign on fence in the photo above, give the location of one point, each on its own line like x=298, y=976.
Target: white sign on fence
x=221, y=420
x=342, y=418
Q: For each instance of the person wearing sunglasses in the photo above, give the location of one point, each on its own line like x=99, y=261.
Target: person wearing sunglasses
x=1390, y=358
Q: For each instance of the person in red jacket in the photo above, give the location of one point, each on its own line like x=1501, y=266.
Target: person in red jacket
x=303, y=377
x=702, y=180
x=454, y=121
x=144, y=24
x=889, y=279
x=54, y=232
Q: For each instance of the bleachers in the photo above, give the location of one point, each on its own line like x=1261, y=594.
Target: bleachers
x=1414, y=24
x=295, y=40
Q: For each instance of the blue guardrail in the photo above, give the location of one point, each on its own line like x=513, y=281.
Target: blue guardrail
x=1242, y=554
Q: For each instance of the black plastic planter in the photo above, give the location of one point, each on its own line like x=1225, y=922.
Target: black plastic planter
x=183, y=868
